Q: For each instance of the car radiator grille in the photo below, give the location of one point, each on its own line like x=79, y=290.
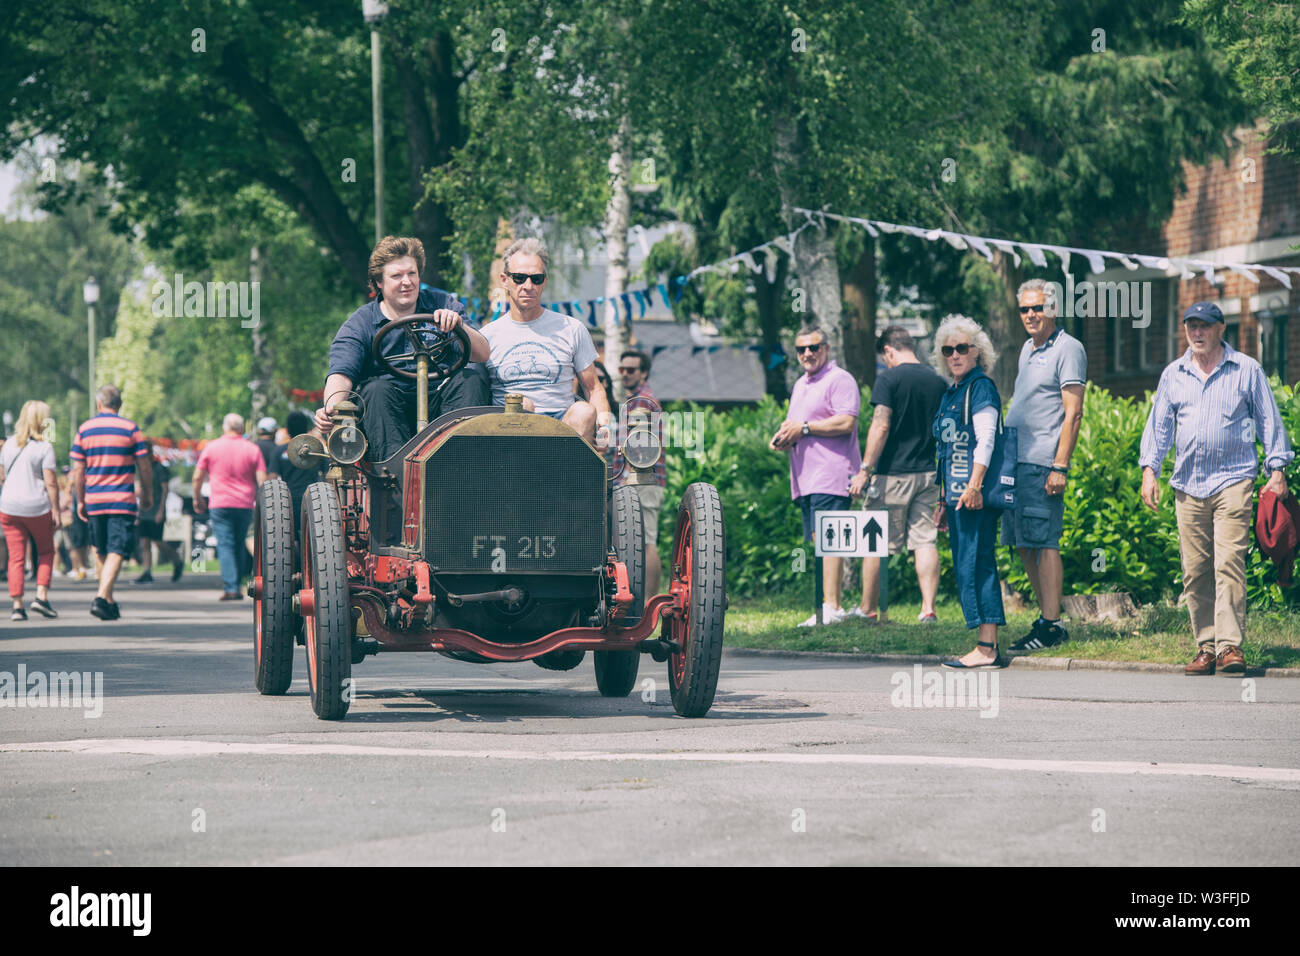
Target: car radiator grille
x=541, y=500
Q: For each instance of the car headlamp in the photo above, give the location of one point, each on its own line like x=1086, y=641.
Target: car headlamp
x=346, y=445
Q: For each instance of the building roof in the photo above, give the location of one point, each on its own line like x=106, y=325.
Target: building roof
x=691, y=364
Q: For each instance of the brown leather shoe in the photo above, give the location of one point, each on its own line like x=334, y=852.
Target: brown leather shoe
x=1202, y=663
x=1231, y=661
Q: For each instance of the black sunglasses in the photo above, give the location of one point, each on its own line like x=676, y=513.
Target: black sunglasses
x=629, y=369
x=960, y=349
x=518, y=277
x=1032, y=308
x=808, y=348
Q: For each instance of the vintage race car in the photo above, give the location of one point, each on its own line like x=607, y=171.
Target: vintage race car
x=492, y=535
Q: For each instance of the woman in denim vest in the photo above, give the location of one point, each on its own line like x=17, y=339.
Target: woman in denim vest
x=964, y=355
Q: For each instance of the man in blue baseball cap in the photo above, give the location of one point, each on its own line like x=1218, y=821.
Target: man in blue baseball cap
x=1215, y=403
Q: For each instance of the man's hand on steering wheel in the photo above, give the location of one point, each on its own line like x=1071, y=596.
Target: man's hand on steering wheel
x=446, y=319
x=445, y=357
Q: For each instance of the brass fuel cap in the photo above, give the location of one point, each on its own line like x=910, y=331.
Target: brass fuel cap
x=514, y=404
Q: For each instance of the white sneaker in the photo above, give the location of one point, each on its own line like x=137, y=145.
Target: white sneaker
x=830, y=615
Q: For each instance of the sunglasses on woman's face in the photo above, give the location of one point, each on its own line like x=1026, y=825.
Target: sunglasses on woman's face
x=961, y=349
x=518, y=277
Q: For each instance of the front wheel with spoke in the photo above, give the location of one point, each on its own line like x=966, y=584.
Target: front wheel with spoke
x=699, y=578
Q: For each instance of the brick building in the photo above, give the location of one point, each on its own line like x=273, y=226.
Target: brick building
x=1244, y=210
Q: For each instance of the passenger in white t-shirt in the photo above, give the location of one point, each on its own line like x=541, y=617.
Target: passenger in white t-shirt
x=29, y=505
x=537, y=352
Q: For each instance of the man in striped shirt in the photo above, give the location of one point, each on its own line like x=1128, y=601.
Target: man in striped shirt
x=634, y=368
x=104, y=457
x=1216, y=403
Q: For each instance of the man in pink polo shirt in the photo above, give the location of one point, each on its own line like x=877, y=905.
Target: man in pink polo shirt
x=821, y=435
x=235, y=468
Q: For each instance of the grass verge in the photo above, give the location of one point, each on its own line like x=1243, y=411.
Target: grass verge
x=1160, y=634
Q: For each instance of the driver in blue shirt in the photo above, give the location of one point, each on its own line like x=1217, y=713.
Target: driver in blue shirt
x=388, y=400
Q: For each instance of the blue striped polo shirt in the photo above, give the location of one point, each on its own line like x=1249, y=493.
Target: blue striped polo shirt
x=1215, y=422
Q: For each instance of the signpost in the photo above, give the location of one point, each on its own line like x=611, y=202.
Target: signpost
x=848, y=534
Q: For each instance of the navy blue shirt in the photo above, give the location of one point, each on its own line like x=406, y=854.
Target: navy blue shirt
x=350, y=350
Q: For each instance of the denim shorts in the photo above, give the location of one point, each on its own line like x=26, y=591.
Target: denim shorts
x=1036, y=520
x=809, y=504
x=113, y=534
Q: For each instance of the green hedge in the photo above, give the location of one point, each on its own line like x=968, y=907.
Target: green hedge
x=1111, y=541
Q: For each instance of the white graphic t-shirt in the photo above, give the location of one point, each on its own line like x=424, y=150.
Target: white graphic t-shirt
x=538, y=359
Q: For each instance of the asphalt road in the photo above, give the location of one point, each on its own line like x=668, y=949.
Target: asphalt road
x=442, y=762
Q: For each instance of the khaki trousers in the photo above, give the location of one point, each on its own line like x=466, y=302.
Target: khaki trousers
x=1214, y=538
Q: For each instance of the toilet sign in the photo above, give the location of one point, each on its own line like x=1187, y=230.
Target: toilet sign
x=852, y=534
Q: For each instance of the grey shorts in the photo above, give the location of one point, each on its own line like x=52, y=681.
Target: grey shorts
x=652, y=502
x=910, y=500
x=1037, y=518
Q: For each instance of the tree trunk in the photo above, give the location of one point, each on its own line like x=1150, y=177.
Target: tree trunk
x=617, y=215
x=1004, y=325
x=767, y=297
x=309, y=190
x=819, y=282
x=262, y=364
x=430, y=102
x=860, y=332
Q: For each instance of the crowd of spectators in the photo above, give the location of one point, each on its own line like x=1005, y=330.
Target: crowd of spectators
x=934, y=462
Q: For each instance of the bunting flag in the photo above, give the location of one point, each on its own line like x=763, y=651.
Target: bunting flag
x=1185, y=267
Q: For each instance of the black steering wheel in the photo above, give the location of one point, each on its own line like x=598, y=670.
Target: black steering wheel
x=445, y=359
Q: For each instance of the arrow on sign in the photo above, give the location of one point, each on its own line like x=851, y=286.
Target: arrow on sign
x=872, y=530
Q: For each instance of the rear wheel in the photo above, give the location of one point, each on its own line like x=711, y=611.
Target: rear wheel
x=616, y=670
x=274, y=622
x=699, y=565
x=328, y=622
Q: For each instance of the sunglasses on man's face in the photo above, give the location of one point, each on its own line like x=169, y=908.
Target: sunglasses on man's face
x=1025, y=309
x=629, y=369
x=518, y=277
x=808, y=348
x=961, y=349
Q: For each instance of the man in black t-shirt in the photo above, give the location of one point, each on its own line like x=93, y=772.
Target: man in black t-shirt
x=298, y=479
x=266, y=443
x=898, y=468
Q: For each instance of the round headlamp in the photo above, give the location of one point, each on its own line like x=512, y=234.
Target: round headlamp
x=642, y=446
x=346, y=444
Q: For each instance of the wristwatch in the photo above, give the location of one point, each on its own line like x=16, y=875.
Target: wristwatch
x=866, y=469
x=806, y=430
x=1061, y=469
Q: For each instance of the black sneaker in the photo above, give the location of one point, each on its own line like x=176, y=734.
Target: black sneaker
x=146, y=578
x=104, y=610
x=1041, y=635
x=178, y=568
x=18, y=615
x=44, y=608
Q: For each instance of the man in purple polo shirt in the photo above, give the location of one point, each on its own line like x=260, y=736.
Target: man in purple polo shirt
x=821, y=435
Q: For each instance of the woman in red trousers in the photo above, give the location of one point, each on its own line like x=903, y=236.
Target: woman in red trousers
x=29, y=505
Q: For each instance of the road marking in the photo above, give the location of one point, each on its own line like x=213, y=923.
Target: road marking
x=156, y=747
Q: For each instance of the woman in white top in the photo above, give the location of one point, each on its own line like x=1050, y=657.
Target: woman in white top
x=29, y=505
